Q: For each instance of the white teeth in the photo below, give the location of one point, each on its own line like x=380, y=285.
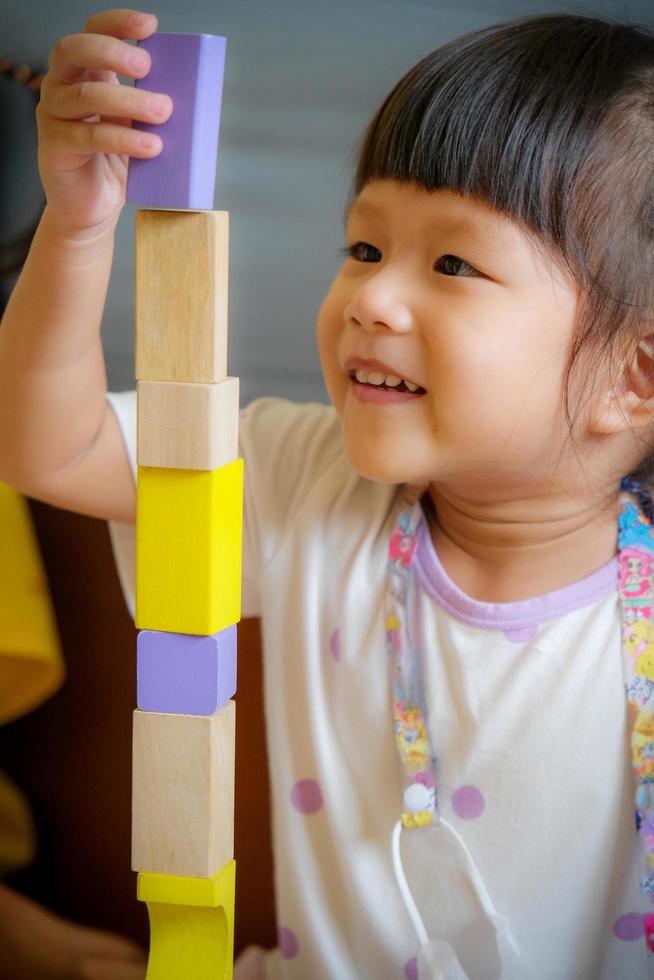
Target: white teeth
x=378, y=378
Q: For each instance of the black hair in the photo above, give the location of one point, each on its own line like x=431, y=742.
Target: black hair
x=549, y=120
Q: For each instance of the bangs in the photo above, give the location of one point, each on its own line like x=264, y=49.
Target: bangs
x=549, y=120
x=506, y=114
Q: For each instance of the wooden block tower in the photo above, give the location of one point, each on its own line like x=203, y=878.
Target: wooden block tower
x=188, y=528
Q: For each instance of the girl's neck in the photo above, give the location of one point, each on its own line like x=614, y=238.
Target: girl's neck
x=508, y=551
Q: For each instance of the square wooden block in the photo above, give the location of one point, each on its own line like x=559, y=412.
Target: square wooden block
x=183, y=792
x=187, y=426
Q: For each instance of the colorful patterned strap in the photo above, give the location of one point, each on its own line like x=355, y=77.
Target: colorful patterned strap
x=636, y=558
x=403, y=643
x=410, y=716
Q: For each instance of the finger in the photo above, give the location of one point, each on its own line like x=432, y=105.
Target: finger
x=102, y=137
x=84, y=99
x=96, y=944
x=76, y=53
x=134, y=25
x=97, y=969
x=97, y=75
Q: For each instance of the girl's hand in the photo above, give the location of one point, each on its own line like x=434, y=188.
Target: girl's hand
x=36, y=944
x=84, y=120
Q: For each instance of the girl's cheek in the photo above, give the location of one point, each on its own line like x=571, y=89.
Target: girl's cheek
x=327, y=317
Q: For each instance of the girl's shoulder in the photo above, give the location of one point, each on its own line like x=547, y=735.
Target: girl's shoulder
x=291, y=436
x=296, y=467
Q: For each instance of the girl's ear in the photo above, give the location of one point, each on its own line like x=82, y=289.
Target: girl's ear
x=630, y=405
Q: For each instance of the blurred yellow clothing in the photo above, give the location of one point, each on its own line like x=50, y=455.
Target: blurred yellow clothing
x=31, y=663
x=17, y=832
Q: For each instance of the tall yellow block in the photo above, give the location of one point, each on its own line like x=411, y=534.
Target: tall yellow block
x=181, y=295
x=189, y=531
x=191, y=925
x=183, y=792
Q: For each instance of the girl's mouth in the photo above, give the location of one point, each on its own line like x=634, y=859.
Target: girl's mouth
x=383, y=389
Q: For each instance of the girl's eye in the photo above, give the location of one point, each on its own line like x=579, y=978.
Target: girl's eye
x=450, y=264
x=362, y=252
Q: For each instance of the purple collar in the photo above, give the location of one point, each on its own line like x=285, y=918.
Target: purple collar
x=517, y=620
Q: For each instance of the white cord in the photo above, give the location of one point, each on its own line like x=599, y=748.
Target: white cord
x=403, y=885
x=477, y=880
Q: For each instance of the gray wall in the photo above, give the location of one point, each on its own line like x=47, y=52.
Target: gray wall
x=302, y=79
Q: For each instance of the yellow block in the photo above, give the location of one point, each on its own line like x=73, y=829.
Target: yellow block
x=191, y=925
x=189, y=533
x=180, y=890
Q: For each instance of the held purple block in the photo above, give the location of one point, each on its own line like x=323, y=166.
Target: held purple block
x=186, y=675
x=190, y=69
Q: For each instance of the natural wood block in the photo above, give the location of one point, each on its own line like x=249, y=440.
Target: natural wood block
x=181, y=295
x=183, y=792
x=188, y=548
x=187, y=426
x=191, y=925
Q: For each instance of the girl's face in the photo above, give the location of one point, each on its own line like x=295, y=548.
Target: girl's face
x=448, y=295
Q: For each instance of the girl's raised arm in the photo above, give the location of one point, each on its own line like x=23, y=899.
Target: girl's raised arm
x=59, y=439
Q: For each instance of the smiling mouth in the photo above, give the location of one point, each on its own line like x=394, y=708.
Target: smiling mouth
x=385, y=382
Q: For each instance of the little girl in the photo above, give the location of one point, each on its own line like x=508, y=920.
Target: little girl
x=452, y=562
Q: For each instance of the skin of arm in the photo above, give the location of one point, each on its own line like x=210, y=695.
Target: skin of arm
x=60, y=441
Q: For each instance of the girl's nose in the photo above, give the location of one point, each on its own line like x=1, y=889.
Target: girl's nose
x=379, y=305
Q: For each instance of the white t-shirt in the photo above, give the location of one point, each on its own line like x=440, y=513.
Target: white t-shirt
x=528, y=716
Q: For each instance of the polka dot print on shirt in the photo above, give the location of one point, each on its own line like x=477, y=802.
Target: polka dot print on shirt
x=521, y=635
x=306, y=796
x=629, y=926
x=468, y=802
x=411, y=968
x=287, y=942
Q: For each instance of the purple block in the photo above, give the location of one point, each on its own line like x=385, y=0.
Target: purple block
x=183, y=674
x=190, y=69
